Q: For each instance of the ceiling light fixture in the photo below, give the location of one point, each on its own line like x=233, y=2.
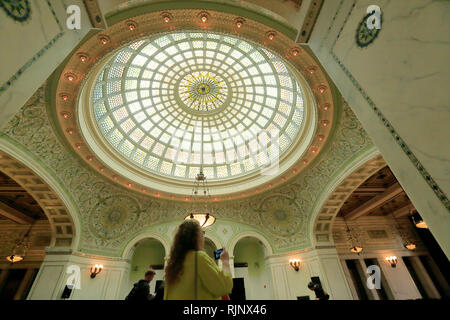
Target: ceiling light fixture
x=295, y=51
x=407, y=243
x=410, y=245
x=419, y=222
x=166, y=17
x=20, y=247
x=203, y=16
x=200, y=210
x=270, y=35
x=353, y=239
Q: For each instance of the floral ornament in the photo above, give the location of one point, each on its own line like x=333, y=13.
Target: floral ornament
x=114, y=216
x=19, y=10
x=365, y=36
x=281, y=215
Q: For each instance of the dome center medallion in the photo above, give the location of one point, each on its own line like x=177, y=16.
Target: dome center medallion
x=203, y=91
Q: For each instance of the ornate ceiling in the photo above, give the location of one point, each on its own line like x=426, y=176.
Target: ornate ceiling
x=378, y=186
x=114, y=208
x=164, y=105
x=253, y=77
x=16, y=197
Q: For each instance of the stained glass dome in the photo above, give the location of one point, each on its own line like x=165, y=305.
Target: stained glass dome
x=174, y=102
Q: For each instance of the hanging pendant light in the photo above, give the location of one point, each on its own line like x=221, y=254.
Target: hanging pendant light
x=408, y=244
x=355, y=248
x=200, y=210
x=205, y=220
x=419, y=222
x=20, y=248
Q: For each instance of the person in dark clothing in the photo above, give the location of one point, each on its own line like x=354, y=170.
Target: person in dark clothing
x=159, y=292
x=141, y=289
x=318, y=290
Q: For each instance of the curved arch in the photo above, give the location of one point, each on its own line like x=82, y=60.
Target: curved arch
x=251, y=234
x=54, y=200
x=338, y=190
x=129, y=249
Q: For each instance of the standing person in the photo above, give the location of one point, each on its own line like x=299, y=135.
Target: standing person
x=318, y=290
x=159, y=292
x=141, y=289
x=190, y=273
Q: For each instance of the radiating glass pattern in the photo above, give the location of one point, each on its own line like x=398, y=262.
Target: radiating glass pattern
x=153, y=99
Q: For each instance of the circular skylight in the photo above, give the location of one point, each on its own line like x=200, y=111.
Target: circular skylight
x=174, y=103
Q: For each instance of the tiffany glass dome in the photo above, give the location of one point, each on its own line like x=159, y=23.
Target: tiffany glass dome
x=174, y=102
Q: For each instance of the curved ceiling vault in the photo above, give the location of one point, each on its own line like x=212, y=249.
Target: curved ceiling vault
x=137, y=100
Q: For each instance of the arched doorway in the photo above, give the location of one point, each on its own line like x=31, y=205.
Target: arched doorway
x=148, y=254
x=25, y=232
x=378, y=217
x=47, y=192
x=34, y=215
x=250, y=265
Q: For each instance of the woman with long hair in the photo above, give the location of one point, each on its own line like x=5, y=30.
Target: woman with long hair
x=190, y=273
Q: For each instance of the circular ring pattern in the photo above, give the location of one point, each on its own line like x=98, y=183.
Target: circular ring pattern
x=203, y=91
x=153, y=99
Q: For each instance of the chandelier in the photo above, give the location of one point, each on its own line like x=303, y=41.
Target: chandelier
x=20, y=248
x=407, y=243
x=353, y=239
x=200, y=198
x=418, y=221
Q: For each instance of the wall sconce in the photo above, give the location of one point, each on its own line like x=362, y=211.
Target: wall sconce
x=295, y=264
x=392, y=260
x=96, y=269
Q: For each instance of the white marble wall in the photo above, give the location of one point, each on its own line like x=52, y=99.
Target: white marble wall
x=405, y=73
x=32, y=50
x=289, y=284
x=110, y=284
x=390, y=243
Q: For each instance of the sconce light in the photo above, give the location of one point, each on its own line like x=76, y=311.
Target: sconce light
x=392, y=260
x=295, y=263
x=96, y=269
